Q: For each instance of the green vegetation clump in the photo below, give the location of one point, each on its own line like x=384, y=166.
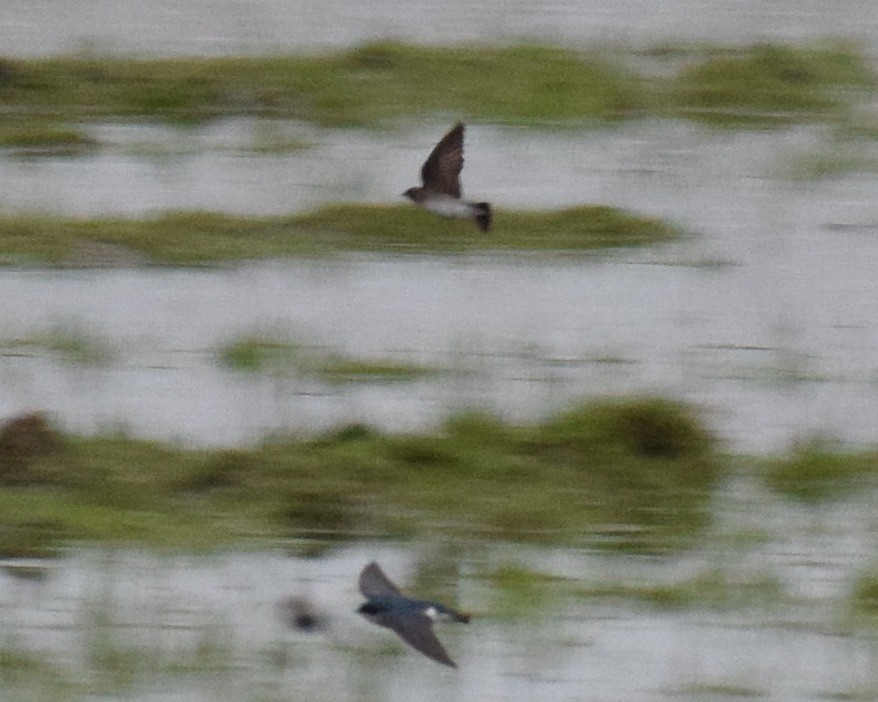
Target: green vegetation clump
x=605, y=482
x=521, y=592
x=815, y=473
x=71, y=343
x=770, y=82
x=260, y=354
x=22, y=671
x=24, y=538
x=407, y=229
x=28, y=448
x=44, y=139
x=387, y=81
x=197, y=237
x=263, y=354
x=337, y=369
x=359, y=87
x=865, y=595
x=31, y=453
x=654, y=446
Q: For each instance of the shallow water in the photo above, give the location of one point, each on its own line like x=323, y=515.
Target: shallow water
x=162, y=627
x=765, y=317
x=211, y=27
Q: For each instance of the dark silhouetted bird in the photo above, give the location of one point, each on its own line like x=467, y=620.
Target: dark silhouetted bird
x=300, y=613
x=440, y=176
x=412, y=620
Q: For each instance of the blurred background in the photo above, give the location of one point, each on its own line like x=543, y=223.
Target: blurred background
x=648, y=470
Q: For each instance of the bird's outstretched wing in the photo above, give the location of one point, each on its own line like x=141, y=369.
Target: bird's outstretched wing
x=417, y=632
x=441, y=170
x=374, y=583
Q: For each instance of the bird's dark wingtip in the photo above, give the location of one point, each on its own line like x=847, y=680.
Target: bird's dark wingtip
x=374, y=582
x=444, y=660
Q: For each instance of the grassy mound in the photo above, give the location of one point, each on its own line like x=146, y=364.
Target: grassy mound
x=770, y=82
x=358, y=87
x=815, y=473
x=387, y=81
x=196, y=237
x=633, y=474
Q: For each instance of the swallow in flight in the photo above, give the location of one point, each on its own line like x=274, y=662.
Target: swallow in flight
x=440, y=175
x=411, y=620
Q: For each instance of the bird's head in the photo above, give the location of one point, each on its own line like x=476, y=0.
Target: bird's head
x=369, y=608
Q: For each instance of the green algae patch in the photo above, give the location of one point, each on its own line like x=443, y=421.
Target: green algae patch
x=35, y=140
x=261, y=354
x=338, y=369
x=363, y=86
x=816, y=473
x=519, y=592
x=192, y=238
x=70, y=343
x=280, y=357
x=478, y=478
x=772, y=83
x=864, y=597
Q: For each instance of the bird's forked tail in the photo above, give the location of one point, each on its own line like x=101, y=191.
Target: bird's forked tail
x=484, y=216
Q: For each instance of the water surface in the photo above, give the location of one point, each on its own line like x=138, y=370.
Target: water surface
x=210, y=27
x=163, y=627
x=764, y=316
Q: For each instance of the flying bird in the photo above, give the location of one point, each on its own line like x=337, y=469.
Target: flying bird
x=411, y=620
x=440, y=176
x=300, y=613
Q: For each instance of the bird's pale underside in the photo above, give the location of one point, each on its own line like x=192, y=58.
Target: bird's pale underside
x=440, y=192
